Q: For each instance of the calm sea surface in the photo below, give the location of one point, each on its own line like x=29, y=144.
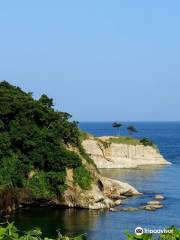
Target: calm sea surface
x=104, y=225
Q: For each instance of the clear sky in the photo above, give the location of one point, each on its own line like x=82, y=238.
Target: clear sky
x=100, y=60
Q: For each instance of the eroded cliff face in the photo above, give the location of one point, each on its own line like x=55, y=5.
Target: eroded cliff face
x=120, y=155
x=104, y=193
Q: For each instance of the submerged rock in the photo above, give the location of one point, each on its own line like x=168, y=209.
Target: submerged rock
x=152, y=207
x=129, y=209
x=153, y=203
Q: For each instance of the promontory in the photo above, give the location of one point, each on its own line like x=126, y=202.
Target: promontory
x=122, y=152
x=43, y=161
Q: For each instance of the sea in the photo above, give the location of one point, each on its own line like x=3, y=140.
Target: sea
x=150, y=180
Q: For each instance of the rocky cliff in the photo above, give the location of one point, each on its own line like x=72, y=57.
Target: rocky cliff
x=104, y=193
x=42, y=160
x=107, y=154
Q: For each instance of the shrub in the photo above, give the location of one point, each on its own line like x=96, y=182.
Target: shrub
x=146, y=142
x=12, y=172
x=11, y=232
x=40, y=187
x=84, y=135
x=47, y=185
x=57, y=182
x=83, y=177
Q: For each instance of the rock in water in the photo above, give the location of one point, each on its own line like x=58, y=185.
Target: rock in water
x=153, y=203
x=152, y=207
x=96, y=198
x=159, y=197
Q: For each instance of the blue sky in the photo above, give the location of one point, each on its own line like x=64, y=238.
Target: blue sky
x=100, y=60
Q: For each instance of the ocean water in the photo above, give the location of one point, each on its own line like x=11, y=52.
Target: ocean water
x=104, y=225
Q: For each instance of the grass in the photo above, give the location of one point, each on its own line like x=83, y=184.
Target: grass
x=133, y=141
x=83, y=177
x=125, y=140
x=105, y=144
x=84, y=135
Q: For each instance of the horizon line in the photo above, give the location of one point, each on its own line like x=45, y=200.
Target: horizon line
x=134, y=121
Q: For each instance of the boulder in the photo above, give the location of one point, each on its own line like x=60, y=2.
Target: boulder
x=104, y=197
x=159, y=197
x=153, y=203
x=152, y=207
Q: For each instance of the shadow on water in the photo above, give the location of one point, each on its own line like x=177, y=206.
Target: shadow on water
x=139, y=177
x=49, y=219
x=139, y=172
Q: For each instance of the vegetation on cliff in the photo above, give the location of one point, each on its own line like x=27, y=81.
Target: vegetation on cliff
x=34, y=141
x=125, y=140
x=132, y=141
x=82, y=177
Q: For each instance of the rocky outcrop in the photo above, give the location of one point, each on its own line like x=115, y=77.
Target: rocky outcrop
x=152, y=205
x=104, y=193
x=120, y=155
x=159, y=197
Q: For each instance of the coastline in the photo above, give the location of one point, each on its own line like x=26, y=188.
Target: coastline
x=108, y=154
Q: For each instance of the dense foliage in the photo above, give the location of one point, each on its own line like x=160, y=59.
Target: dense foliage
x=146, y=142
x=82, y=177
x=10, y=232
x=132, y=129
x=34, y=139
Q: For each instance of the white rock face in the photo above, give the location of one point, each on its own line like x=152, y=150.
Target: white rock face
x=119, y=155
x=96, y=198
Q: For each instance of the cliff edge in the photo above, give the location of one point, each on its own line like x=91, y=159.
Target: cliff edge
x=112, y=152
x=104, y=193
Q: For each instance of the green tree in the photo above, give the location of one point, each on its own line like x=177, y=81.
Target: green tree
x=35, y=137
x=146, y=142
x=48, y=102
x=117, y=126
x=131, y=130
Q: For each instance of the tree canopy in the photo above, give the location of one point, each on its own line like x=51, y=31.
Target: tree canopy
x=132, y=129
x=33, y=135
x=116, y=125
